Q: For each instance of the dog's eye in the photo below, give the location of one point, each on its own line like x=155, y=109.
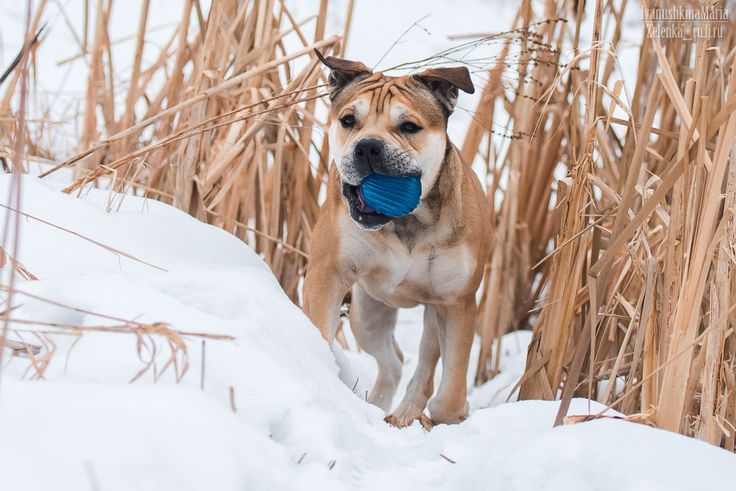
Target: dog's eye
x=409, y=128
x=347, y=121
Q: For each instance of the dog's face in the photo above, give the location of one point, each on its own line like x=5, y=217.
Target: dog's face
x=389, y=125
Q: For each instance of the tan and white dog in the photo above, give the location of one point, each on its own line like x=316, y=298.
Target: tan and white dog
x=433, y=256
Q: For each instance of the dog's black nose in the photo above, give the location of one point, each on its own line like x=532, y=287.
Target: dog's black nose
x=369, y=152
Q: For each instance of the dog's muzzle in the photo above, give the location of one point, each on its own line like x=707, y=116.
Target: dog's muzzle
x=362, y=214
x=372, y=155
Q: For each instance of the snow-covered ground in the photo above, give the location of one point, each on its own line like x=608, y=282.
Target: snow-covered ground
x=268, y=410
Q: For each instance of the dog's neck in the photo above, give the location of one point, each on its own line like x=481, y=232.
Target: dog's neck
x=441, y=207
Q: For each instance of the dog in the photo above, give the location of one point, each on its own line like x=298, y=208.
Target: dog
x=433, y=256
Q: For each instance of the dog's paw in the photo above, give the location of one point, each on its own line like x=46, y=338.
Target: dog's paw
x=406, y=418
x=425, y=422
x=448, y=412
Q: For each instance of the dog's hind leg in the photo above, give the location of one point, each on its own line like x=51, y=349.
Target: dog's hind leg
x=373, y=324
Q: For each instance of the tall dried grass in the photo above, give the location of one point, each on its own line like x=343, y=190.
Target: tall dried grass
x=231, y=135
x=612, y=209
x=634, y=304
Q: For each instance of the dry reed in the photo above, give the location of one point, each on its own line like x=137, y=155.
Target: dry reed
x=230, y=136
x=634, y=304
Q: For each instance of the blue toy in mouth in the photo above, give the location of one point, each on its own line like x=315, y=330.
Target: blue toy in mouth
x=393, y=196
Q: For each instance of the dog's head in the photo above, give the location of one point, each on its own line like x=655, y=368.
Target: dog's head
x=389, y=125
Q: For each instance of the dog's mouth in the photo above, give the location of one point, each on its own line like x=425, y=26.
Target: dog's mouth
x=362, y=214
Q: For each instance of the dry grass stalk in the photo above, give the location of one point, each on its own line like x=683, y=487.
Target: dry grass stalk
x=148, y=336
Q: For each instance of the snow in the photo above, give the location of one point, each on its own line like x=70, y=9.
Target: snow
x=291, y=422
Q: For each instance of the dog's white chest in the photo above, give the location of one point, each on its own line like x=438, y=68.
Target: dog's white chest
x=426, y=274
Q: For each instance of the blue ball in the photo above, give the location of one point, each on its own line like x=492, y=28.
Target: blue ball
x=393, y=196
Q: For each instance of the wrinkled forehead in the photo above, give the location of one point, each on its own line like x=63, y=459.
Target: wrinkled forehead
x=395, y=97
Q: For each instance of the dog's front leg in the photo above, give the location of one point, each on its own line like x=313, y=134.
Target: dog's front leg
x=324, y=290
x=450, y=405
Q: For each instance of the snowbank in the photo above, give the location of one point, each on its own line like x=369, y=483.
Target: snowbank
x=291, y=423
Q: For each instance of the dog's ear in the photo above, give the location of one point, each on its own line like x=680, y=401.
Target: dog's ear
x=342, y=72
x=445, y=82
